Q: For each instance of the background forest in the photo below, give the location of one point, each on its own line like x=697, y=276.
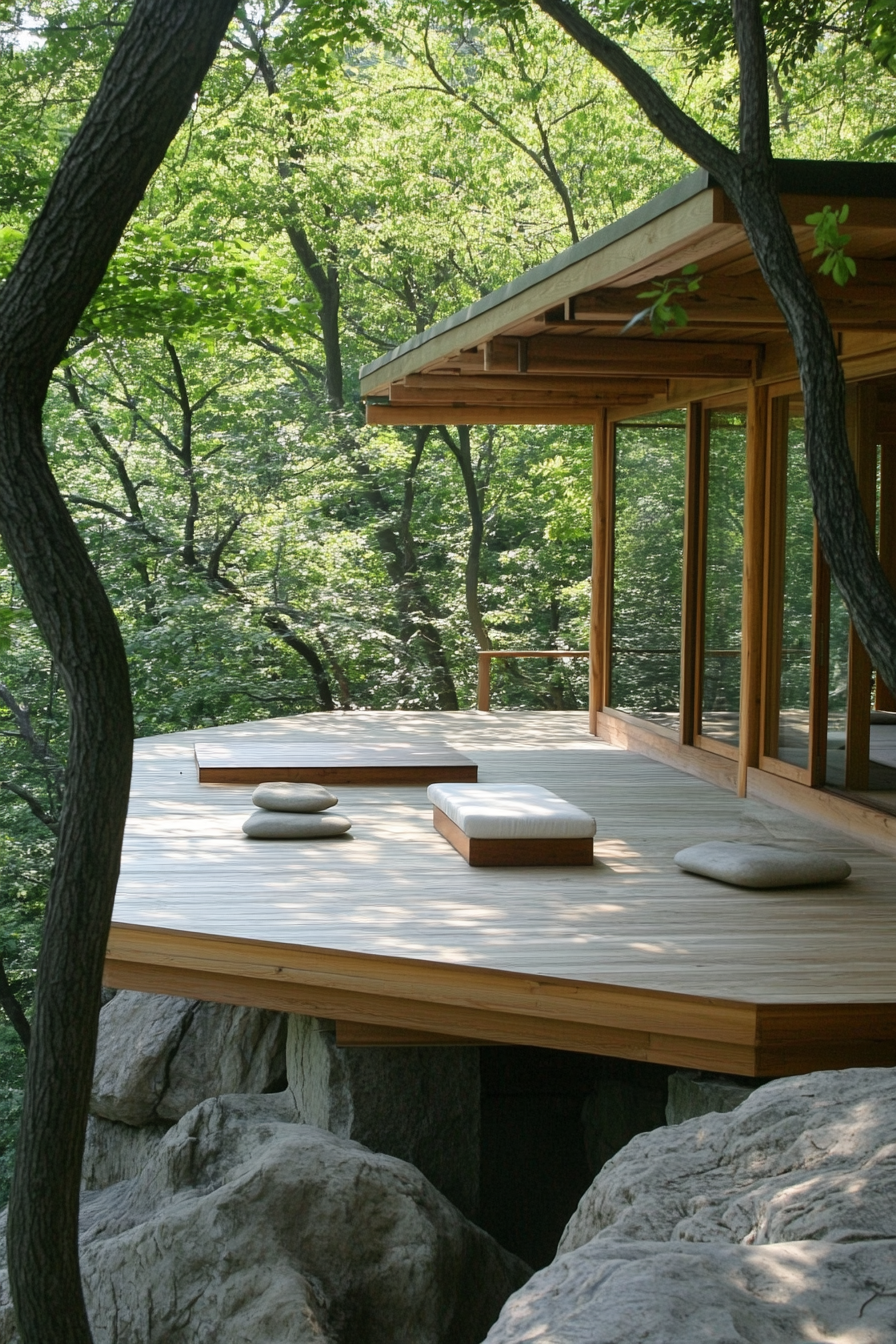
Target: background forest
x=343, y=181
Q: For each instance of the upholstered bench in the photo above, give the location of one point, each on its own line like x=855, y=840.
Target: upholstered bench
x=511, y=825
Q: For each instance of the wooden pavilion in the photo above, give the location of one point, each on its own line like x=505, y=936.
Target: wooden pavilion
x=752, y=677
x=735, y=663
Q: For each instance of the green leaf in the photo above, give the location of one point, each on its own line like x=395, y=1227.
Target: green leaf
x=831, y=243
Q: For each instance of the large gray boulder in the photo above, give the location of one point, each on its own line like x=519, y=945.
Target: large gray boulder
x=246, y=1225
x=158, y=1057
x=114, y=1152
x=419, y=1103
x=657, y=1293
x=802, y=1158
x=692, y=1093
x=773, y=1223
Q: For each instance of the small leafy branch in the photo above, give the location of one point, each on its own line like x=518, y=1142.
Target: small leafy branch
x=831, y=243
x=665, y=311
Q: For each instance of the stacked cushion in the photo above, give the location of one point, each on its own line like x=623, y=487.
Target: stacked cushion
x=277, y=796
x=294, y=812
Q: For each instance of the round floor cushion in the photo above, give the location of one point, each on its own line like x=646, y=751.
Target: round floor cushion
x=283, y=797
x=744, y=865
x=264, y=825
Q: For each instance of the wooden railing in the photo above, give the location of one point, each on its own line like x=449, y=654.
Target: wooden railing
x=484, y=697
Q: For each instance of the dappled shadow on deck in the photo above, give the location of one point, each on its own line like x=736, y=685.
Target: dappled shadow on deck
x=395, y=888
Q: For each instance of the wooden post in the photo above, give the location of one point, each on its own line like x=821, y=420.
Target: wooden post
x=773, y=578
x=819, y=671
x=884, y=697
x=601, y=567
x=752, y=602
x=691, y=575
x=861, y=423
x=484, y=690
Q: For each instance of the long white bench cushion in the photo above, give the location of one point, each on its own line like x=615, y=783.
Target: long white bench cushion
x=745, y=865
x=510, y=812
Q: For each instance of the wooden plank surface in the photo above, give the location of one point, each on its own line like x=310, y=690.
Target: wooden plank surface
x=255, y=761
x=392, y=889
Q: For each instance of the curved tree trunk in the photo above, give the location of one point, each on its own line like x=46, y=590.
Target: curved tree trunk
x=748, y=180
x=146, y=91
x=843, y=529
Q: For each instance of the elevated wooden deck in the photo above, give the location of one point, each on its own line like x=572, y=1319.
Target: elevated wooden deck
x=388, y=931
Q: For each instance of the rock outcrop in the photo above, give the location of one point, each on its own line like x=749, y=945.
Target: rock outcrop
x=158, y=1057
x=419, y=1103
x=115, y=1152
x=773, y=1222
x=247, y=1225
x=692, y=1093
x=657, y=1293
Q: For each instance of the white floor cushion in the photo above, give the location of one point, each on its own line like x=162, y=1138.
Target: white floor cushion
x=510, y=812
x=744, y=865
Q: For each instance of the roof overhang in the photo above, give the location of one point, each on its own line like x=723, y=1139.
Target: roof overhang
x=548, y=348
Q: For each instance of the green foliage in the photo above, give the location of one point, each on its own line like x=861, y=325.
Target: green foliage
x=795, y=30
x=422, y=155
x=831, y=243
x=665, y=311
x=25, y=858
x=649, y=539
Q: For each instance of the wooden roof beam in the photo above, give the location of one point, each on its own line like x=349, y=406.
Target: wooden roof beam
x=628, y=356
x=521, y=414
x=507, y=388
x=868, y=302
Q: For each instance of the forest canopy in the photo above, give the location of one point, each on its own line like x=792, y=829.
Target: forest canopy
x=347, y=176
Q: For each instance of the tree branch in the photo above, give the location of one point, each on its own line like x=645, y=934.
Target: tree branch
x=648, y=93
x=37, y=807
x=14, y=1010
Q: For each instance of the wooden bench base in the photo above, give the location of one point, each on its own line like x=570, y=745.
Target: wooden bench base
x=577, y=851
x=337, y=762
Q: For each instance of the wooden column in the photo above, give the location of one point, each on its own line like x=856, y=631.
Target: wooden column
x=753, y=591
x=819, y=666
x=601, y=567
x=773, y=579
x=692, y=574
x=884, y=697
x=861, y=424
x=484, y=682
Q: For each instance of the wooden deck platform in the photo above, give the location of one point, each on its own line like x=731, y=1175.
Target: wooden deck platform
x=389, y=931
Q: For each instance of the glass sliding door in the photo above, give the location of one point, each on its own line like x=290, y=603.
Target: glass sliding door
x=828, y=719
x=723, y=567
x=645, y=663
x=789, y=738
x=861, y=738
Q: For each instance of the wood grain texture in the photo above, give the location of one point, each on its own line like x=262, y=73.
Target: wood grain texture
x=753, y=584
x=336, y=762
x=629, y=957
x=575, y=851
x=601, y=568
x=861, y=425
x=691, y=572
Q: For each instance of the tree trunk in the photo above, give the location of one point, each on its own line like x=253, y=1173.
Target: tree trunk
x=463, y=453
x=155, y=71
x=843, y=529
x=417, y=613
x=748, y=180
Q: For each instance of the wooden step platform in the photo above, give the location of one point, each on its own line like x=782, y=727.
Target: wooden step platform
x=331, y=762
